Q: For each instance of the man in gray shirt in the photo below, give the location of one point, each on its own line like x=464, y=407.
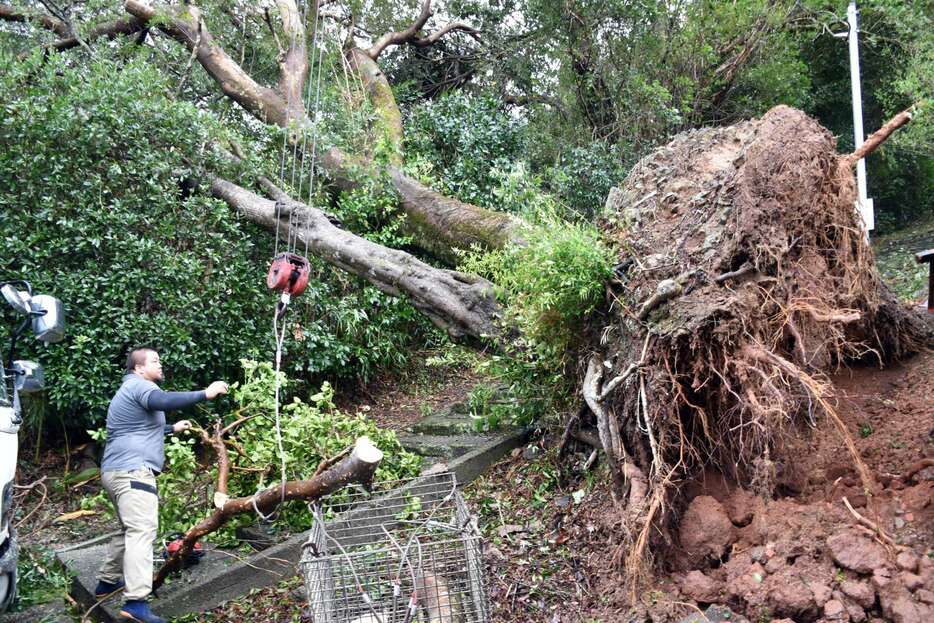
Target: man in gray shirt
x=133, y=457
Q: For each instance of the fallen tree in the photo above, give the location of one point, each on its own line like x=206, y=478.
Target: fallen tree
x=743, y=276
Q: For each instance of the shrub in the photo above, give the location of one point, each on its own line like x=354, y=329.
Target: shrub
x=463, y=141
x=549, y=287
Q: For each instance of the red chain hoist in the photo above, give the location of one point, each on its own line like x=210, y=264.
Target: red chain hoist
x=288, y=273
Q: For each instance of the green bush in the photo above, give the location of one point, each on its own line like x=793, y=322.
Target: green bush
x=91, y=211
x=464, y=143
x=549, y=287
x=584, y=176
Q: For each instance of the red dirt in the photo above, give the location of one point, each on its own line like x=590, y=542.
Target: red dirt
x=800, y=556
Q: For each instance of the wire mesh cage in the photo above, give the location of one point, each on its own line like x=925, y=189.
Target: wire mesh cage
x=407, y=554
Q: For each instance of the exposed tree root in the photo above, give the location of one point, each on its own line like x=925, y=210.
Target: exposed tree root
x=749, y=279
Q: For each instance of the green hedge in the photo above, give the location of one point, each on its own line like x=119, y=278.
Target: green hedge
x=91, y=211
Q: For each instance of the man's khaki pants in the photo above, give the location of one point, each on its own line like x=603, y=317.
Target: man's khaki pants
x=134, y=496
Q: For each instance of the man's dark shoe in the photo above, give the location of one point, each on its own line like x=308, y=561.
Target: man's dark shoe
x=106, y=589
x=138, y=610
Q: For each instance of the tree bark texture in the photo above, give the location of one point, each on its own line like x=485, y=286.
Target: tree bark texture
x=461, y=304
x=359, y=467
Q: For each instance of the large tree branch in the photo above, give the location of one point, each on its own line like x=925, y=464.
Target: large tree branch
x=380, y=93
x=464, y=224
x=183, y=26
x=410, y=35
x=109, y=30
x=12, y=14
x=359, y=467
x=293, y=64
x=463, y=305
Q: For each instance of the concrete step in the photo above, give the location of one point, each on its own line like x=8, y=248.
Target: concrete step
x=447, y=422
x=442, y=446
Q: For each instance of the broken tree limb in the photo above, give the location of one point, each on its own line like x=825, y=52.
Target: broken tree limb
x=461, y=304
x=359, y=467
x=878, y=137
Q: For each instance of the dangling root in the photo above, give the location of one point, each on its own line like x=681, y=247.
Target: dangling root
x=818, y=392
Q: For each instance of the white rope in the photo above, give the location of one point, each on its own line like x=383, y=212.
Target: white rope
x=280, y=338
x=292, y=243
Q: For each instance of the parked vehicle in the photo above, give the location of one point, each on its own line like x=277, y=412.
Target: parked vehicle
x=44, y=316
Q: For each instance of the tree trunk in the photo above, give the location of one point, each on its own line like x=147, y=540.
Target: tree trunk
x=381, y=97
x=426, y=208
x=461, y=304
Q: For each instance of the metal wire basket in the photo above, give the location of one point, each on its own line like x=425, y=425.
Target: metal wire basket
x=406, y=554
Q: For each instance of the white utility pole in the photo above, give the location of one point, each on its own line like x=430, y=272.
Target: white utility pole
x=864, y=204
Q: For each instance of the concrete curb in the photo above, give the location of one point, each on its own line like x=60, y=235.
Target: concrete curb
x=468, y=466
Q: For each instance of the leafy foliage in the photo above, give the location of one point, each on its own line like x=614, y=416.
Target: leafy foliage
x=549, y=286
x=41, y=578
x=465, y=143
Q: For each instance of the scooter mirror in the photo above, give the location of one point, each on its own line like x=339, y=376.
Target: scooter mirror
x=17, y=300
x=28, y=377
x=49, y=327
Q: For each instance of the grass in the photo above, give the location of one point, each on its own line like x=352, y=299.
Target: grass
x=895, y=257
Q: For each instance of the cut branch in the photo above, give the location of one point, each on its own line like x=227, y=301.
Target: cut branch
x=878, y=137
x=359, y=467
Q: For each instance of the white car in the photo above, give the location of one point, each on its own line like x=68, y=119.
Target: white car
x=45, y=317
x=9, y=447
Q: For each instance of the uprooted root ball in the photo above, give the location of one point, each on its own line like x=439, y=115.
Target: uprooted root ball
x=743, y=276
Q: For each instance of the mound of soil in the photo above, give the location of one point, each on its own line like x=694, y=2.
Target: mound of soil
x=798, y=555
